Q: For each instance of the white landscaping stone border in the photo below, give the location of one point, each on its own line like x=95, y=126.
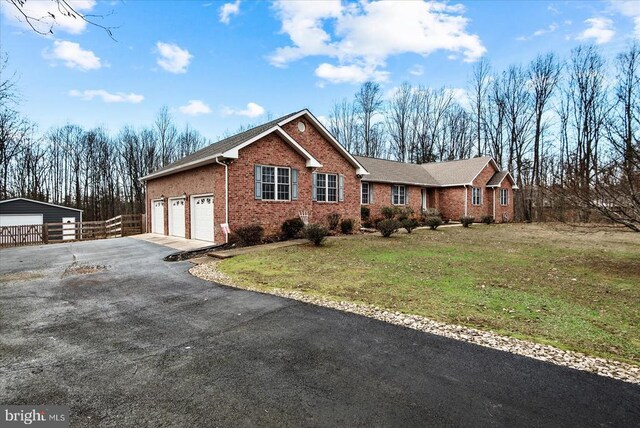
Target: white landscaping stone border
x=575, y=360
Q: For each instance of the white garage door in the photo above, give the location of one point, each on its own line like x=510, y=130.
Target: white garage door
x=20, y=219
x=202, y=218
x=157, y=217
x=176, y=217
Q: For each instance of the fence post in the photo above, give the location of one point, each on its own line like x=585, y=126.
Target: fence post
x=45, y=233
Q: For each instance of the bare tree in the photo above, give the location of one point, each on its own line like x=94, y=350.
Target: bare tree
x=399, y=112
x=344, y=126
x=368, y=101
x=166, y=133
x=480, y=84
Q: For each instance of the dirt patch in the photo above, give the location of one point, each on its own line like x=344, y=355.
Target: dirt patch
x=21, y=276
x=76, y=269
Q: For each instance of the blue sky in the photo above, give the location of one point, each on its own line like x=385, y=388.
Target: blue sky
x=218, y=65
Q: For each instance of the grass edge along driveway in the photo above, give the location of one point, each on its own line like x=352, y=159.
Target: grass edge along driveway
x=574, y=288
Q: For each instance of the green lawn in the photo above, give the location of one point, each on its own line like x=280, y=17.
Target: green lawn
x=576, y=288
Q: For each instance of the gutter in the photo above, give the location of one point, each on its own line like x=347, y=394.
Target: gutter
x=494, y=204
x=466, y=199
x=226, y=196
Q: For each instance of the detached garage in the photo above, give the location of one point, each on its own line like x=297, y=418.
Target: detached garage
x=23, y=211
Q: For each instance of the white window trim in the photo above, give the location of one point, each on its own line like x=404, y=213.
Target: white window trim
x=275, y=172
x=362, y=193
x=479, y=189
x=506, y=193
x=326, y=187
x=404, y=202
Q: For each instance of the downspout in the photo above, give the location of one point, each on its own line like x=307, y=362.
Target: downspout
x=226, y=196
x=494, y=204
x=466, y=199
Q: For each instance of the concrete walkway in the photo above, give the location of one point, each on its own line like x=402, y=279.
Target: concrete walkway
x=180, y=244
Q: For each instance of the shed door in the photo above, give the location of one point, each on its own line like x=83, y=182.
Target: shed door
x=157, y=217
x=68, y=228
x=20, y=219
x=176, y=217
x=202, y=218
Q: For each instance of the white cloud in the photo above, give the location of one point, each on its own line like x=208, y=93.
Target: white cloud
x=107, y=97
x=349, y=73
x=41, y=13
x=228, y=10
x=416, y=70
x=73, y=56
x=542, y=31
x=173, y=58
x=252, y=110
x=194, y=108
x=600, y=30
x=365, y=34
x=631, y=9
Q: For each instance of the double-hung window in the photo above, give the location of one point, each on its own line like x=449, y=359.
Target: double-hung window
x=366, y=193
x=399, y=195
x=328, y=187
x=273, y=183
x=504, y=196
x=476, y=196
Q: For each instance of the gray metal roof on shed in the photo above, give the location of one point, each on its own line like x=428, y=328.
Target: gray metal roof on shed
x=39, y=202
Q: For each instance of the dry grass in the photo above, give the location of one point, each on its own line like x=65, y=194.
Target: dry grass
x=574, y=287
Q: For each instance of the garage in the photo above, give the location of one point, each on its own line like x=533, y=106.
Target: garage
x=202, y=218
x=157, y=216
x=176, y=217
x=23, y=211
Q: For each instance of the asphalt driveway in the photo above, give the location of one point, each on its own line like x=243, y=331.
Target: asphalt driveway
x=126, y=339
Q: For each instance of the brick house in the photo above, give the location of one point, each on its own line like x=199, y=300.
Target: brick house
x=473, y=187
x=265, y=175
x=293, y=164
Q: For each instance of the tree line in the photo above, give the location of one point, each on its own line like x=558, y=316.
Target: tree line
x=568, y=129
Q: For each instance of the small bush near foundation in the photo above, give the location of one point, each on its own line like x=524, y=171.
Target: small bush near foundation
x=432, y=212
x=333, y=219
x=410, y=224
x=466, y=221
x=365, y=213
x=433, y=222
x=388, y=227
x=388, y=212
x=315, y=233
x=487, y=219
x=403, y=214
x=346, y=226
x=291, y=228
x=250, y=235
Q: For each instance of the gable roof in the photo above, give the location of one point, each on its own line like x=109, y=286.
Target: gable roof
x=39, y=202
x=229, y=147
x=389, y=171
x=436, y=174
x=499, y=177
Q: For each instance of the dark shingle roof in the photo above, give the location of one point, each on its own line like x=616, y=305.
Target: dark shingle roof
x=497, y=178
x=429, y=174
x=225, y=144
x=388, y=171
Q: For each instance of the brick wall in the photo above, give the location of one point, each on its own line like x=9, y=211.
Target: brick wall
x=208, y=179
x=504, y=209
x=272, y=150
x=382, y=198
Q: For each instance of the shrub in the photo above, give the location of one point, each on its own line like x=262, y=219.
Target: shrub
x=365, y=213
x=250, y=235
x=346, y=225
x=315, y=233
x=466, y=221
x=388, y=212
x=388, y=227
x=409, y=224
x=333, y=219
x=291, y=228
x=403, y=213
x=433, y=222
x=432, y=212
x=487, y=219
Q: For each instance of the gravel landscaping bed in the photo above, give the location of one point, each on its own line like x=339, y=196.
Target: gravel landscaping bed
x=601, y=366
